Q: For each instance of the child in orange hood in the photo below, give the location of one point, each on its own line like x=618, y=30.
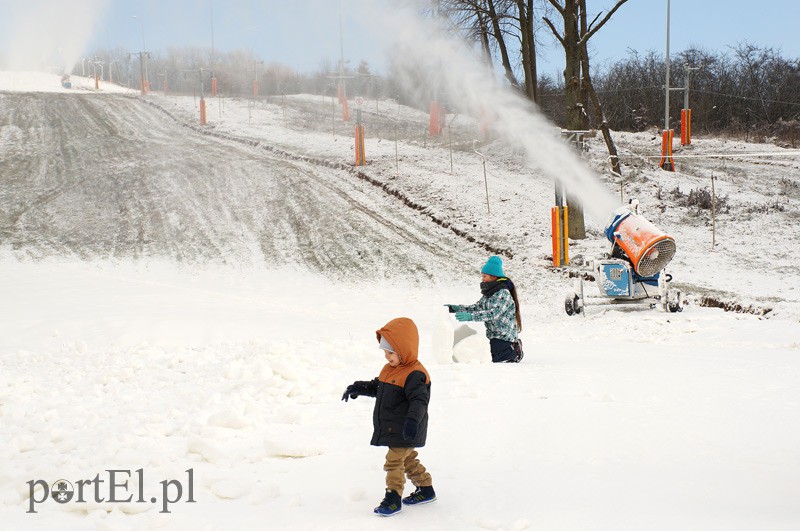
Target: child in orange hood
x=400, y=418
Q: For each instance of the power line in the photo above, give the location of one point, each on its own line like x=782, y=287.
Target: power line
x=793, y=153
x=659, y=87
x=746, y=97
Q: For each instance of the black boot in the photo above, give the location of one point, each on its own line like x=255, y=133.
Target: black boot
x=420, y=496
x=390, y=505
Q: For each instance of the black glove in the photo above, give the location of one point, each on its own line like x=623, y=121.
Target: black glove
x=409, y=429
x=452, y=308
x=357, y=389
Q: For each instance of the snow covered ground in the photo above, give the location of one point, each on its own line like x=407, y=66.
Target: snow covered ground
x=162, y=358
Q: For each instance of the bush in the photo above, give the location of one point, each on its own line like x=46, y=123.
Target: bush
x=700, y=198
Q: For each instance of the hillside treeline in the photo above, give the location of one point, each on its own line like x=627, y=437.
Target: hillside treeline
x=189, y=71
x=749, y=91
x=746, y=91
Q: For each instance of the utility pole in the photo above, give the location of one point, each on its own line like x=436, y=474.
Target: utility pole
x=666, y=83
x=143, y=58
x=666, y=162
x=686, y=88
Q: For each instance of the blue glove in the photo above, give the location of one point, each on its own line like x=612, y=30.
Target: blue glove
x=452, y=308
x=409, y=429
x=464, y=316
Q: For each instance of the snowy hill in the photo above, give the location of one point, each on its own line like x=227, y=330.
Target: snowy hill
x=182, y=297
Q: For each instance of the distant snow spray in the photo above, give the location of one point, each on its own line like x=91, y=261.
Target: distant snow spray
x=424, y=56
x=48, y=33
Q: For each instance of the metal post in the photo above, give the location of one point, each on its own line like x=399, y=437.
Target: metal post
x=686, y=88
x=713, y=214
x=450, y=141
x=485, y=180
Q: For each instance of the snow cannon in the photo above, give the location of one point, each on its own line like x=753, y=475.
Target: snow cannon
x=647, y=247
x=632, y=274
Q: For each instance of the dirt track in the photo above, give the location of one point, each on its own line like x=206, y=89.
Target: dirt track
x=110, y=177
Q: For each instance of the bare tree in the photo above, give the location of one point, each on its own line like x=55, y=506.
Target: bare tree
x=577, y=84
x=503, y=28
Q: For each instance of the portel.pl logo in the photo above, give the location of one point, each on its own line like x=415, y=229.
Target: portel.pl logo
x=112, y=488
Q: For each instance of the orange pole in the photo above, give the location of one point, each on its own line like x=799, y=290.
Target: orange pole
x=485, y=124
x=669, y=149
x=555, y=226
x=688, y=126
x=683, y=127
x=361, y=158
x=358, y=155
x=345, y=110
x=433, y=123
x=203, y=111
x=667, y=162
x=363, y=151
x=565, y=234
x=213, y=86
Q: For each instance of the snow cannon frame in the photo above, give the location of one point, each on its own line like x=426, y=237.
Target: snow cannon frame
x=647, y=247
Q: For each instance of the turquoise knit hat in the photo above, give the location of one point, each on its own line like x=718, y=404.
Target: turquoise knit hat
x=494, y=267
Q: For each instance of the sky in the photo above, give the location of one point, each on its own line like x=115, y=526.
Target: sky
x=304, y=33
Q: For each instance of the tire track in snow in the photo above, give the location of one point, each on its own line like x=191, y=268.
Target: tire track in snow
x=121, y=181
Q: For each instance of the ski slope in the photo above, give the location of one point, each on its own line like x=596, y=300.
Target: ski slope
x=181, y=298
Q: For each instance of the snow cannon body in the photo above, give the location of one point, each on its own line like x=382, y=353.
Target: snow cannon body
x=647, y=247
x=632, y=274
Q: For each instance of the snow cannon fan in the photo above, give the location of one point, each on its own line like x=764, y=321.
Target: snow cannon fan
x=647, y=247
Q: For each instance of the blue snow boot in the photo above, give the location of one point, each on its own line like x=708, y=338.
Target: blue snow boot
x=390, y=505
x=420, y=496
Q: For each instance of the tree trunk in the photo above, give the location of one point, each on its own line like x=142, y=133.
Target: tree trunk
x=584, y=97
x=480, y=16
x=528, y=48
x=572, y=90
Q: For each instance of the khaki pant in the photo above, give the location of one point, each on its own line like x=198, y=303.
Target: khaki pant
x=402, y=462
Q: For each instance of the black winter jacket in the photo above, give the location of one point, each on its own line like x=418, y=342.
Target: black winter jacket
x=393, y=404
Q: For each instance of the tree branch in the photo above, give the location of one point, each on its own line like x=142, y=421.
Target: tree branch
x=592, y=31
x=558, y=7
x=554, y=30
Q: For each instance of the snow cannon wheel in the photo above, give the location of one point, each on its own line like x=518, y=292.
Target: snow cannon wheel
x=572, y=304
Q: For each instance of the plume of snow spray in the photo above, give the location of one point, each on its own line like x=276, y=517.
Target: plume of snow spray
x=424, y=50
x=47, y=34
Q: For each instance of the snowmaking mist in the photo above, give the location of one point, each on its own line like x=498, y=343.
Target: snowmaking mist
x=46, y=35
x=425, y=59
